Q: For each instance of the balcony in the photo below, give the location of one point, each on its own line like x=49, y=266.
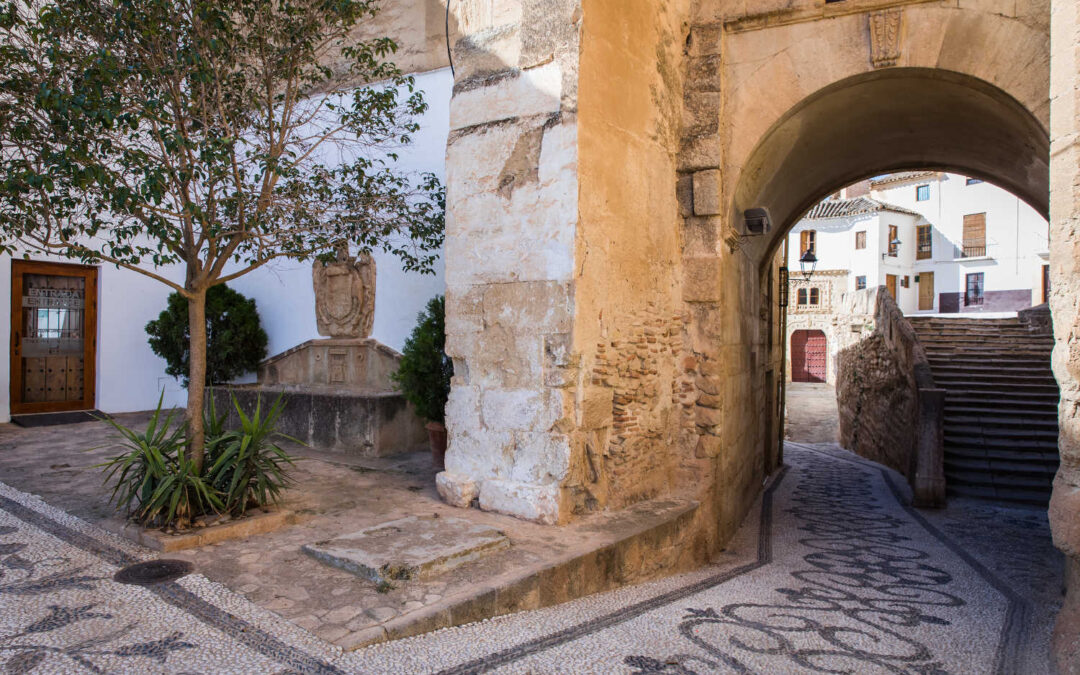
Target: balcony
x=973, y=248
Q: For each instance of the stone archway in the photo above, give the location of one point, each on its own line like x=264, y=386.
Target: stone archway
x=615, y=335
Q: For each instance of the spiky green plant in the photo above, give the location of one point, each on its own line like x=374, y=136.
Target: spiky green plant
x=153, y=479
x=249, y=468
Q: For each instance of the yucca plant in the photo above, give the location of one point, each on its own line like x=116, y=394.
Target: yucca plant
x=152, y=478
x=249, y=468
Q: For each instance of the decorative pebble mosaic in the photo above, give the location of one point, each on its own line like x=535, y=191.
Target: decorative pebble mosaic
x=834, y=573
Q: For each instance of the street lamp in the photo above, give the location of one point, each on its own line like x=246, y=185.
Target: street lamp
x=894, y=249
x=807, y=264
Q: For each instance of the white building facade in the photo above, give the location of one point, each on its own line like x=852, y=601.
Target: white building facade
x=122, y=374
x=940, y=243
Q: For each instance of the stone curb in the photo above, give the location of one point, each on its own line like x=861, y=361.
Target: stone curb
x=235, y=529
x=575, y=576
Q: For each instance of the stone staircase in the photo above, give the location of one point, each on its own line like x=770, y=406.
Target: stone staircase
x=1000, y=407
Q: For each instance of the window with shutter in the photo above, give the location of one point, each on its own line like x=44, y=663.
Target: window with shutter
x=808, y=242
x=925, y=246
x=974, y=235
x=894, y=236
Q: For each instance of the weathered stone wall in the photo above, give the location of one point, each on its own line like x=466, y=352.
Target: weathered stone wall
x=875, y=387
x=512, y=192
x=1064, y=299
x=890, y=410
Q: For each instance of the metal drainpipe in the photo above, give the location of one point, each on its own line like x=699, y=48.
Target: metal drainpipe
x=783, y=365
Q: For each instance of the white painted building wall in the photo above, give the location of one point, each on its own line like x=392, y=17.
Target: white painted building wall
x=836, y=250
x=1017, y=240
x=130, y=376
x=1017, y=236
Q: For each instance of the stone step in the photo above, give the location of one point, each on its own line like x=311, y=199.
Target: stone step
x=979, y=368
x=997, y=479
x=1033, y=497
x=1041, y=365
x=1004, y=387
x=1003, y=379
x=975, y=431
x=1002, y=399
x=1013, y=422
x=953, y=441
x=1049, y=458
x=954, y=464
x=1036, y=412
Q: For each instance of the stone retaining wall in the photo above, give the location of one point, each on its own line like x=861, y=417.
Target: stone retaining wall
x=890, y=411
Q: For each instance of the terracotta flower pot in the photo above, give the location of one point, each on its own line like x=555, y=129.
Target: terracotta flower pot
x=437, y=438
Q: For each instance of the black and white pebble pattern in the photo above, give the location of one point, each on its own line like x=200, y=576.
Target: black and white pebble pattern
x=832, y=573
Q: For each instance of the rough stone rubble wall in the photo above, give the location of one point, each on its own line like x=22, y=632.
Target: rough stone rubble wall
x=875, y=384
x=1065, y=271
x=610, y=342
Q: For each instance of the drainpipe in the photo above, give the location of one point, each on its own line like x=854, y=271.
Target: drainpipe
x=783, y=367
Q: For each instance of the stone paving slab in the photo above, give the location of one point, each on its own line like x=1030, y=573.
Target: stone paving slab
x=414, y=547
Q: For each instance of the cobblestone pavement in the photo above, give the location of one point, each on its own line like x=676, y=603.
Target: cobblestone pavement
x=833, y=573
x=811, y=414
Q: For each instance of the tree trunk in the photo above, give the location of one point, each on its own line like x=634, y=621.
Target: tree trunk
x=196, y=378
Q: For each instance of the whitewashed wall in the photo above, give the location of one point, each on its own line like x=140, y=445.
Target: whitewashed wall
x=1016, y=234
x=130, y=377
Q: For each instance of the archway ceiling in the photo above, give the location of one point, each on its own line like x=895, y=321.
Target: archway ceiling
x=892, y=120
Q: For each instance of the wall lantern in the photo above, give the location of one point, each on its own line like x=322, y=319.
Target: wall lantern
x=807, y=264
x=894, y=249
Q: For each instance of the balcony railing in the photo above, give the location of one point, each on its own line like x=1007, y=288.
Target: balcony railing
x=973, y=248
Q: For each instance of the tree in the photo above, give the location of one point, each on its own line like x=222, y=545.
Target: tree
x=219, y=135
x=235, y=340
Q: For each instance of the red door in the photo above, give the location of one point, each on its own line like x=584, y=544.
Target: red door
x=808, y=354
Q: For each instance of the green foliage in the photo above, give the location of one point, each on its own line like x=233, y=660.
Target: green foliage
x=236, y=342
x=246, y=467
x=150, y=132
x=153, y=478
x=425, y=370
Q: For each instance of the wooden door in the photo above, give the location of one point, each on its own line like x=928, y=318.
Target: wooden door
x=926, y=290
x=890, y=284
x=808, y=356
x=53, y=336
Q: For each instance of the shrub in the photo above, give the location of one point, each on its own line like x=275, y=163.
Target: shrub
x=235, y=341
x=157, y=483
x=425, y=370
x=154, y=479
x=246, y=467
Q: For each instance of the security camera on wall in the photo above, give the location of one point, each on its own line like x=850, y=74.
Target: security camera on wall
x=757, y=220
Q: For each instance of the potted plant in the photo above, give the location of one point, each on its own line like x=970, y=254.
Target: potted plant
x=423, y=376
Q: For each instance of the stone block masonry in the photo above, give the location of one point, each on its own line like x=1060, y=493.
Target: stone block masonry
x=511, y=226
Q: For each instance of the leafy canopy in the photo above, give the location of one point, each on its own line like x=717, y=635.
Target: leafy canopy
x=221, y=134
x=235, y=340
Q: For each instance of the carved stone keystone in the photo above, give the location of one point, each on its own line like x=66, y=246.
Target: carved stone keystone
x=885, y=37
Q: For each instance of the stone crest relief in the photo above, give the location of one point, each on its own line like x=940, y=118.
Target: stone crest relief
x=345, y=296
x=885, y=29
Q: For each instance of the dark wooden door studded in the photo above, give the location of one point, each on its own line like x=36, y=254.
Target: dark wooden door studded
x=53, y=336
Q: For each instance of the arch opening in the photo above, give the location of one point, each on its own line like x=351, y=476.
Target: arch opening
x=891, y=120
